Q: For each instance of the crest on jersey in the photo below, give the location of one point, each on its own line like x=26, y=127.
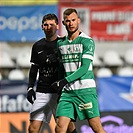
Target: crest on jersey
x=91, y=47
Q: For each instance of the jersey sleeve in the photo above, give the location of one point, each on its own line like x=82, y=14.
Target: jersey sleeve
x=34, y=55
x=88, y=50
x=61, y=71
x=32, y=75
x=86, y=61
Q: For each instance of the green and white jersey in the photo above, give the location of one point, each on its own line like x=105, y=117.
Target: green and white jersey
x=77, y=59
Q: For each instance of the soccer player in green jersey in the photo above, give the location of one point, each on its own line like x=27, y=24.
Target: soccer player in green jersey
x=78, y=96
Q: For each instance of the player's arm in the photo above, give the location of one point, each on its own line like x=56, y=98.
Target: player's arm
x=58, y=85
x=80, y=71
x=32, y=77
x=86, y=61
x=61, y=71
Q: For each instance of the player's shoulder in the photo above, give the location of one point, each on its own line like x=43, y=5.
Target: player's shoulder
x=83, y=35
x=86, y=37
x=61, y=38
x=39, y=42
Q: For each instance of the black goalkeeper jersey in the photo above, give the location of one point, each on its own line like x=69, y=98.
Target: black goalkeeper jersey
x=48, y=71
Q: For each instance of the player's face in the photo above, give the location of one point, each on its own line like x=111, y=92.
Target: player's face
x=71, y=22
x=50, y=27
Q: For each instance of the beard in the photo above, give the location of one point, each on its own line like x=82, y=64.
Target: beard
x=49, y=34
x=71, y=31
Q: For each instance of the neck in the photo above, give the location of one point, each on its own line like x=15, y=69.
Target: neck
x=51, y=38
x=72, y=36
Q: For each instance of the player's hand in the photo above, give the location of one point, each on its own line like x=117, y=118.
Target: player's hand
x=58, y=85
x=31, y=96
x=52, y=58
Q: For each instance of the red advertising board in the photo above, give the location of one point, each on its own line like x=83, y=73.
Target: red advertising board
x=97, y=1
x=103, y=22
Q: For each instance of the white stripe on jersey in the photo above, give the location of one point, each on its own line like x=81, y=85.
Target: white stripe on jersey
x=88, y=56
x=70, y=67
x=81, y=84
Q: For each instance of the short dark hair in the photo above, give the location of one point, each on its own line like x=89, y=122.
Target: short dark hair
x=69, y=11
x=50, y=17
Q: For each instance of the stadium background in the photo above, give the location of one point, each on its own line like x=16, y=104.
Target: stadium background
x=108, y=22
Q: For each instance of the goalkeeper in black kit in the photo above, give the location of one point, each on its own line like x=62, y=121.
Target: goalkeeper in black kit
x=44, y=65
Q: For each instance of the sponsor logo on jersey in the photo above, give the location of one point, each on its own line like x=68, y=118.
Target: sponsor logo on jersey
x=73, y=48
x=72, y=56
x=40, y=52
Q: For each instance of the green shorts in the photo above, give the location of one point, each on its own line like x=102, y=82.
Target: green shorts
x=83, y=107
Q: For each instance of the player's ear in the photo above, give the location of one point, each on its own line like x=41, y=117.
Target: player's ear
x=57, y=26
x=42, y=26
x=78, y=20
x=63, y=22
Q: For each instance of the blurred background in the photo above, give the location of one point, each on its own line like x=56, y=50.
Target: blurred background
x=108, y=22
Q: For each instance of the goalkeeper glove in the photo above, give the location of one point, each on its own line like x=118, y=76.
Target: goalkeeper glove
x=31, y=96
x=58, y=85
